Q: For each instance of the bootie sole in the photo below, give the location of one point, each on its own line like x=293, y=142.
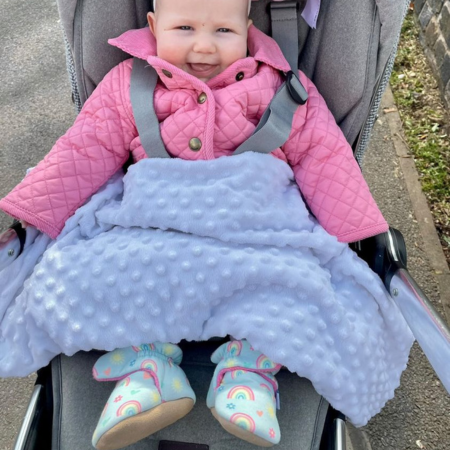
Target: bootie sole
x=144, y=424
x=240, y=432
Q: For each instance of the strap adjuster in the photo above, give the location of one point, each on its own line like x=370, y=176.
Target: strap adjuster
x=299, y=5
x=283, y=5
x=295, y=87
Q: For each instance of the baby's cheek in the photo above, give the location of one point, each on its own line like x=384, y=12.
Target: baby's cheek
x=173, y=53
x=237, y=51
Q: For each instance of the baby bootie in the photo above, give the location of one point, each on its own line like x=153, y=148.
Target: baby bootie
x=243, y=391
x=152, y=392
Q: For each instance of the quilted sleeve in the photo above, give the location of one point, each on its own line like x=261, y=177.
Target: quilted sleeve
x=328, y=175
x=80, y=162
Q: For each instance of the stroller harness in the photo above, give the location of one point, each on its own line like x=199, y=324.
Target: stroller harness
x=274, y=126
x=325, y=169
x=272, y=131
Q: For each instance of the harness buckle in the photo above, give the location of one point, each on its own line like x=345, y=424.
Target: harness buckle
x=295, y=87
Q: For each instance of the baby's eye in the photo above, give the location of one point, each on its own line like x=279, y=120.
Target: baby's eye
x=185, y=27
x=224, y=30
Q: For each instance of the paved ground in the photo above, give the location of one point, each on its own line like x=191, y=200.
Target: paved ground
x=35, y=109
x=419, y=414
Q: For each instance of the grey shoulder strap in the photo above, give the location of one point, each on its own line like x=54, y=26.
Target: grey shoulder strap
x=143, y=83
x=275, y=125
x=272, y=131
x=283, y=17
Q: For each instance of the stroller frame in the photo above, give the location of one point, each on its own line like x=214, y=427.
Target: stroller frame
x=387, y=256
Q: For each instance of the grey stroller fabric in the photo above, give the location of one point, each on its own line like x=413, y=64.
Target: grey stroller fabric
x=88, y=24
x=301, y=421
x=363, y=33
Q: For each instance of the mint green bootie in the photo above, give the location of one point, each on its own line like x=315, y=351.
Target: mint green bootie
x=152, y=392
x=242, y=394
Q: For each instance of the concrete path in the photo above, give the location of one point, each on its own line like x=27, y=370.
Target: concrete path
x=418, y=416
x=35, y=109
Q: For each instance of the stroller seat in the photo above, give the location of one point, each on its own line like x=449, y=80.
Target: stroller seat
x=77, y=406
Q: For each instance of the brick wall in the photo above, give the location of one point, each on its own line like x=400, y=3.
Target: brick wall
x=434, y=20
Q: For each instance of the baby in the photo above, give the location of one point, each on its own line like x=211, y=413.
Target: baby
x=213, y=65
x=203, y=38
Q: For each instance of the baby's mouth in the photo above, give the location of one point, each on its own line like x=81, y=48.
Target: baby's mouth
x=202, y=69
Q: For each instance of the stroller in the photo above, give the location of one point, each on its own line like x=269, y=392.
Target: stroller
x=55, y=411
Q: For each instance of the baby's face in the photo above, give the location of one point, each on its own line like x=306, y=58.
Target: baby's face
x=201, y=37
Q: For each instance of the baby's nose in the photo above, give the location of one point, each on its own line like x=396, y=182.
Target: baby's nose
x=204, y=44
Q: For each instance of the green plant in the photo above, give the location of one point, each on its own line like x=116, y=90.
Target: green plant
x=425, y=123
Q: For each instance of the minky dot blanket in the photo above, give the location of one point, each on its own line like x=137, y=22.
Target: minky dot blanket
x=181, y=249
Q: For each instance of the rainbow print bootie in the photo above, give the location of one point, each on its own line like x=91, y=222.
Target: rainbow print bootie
x=152, y=392
x=242, y=394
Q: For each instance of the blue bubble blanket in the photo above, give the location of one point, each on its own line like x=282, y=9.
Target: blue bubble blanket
x=181, y=249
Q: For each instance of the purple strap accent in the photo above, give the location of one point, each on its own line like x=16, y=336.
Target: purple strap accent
x=309, y=13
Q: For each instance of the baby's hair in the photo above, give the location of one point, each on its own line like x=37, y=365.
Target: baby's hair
x=249, y=5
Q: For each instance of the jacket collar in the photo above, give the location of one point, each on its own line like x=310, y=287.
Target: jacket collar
x=262, y=48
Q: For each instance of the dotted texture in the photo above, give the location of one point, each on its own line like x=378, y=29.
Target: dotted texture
x=195, y=249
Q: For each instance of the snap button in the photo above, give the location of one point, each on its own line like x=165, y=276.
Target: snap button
x=202, y=98
x=11, y=252
x=167, y=73
x=195, y=144
x=240, y=76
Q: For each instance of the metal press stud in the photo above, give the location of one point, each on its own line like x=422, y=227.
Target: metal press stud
x=195, y=144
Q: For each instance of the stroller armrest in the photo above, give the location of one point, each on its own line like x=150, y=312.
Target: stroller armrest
x=428, y=326
x=386, y=255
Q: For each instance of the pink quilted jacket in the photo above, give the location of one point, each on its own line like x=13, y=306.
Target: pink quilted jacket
x=221, y=113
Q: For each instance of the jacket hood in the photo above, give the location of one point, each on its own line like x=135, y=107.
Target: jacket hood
x=141, y=44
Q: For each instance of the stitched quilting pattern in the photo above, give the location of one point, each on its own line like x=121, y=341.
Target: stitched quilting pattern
x=104, y=133
x=328, y=175
x=92, y=150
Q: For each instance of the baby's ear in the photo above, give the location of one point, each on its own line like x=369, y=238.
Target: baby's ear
x=151, y=19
